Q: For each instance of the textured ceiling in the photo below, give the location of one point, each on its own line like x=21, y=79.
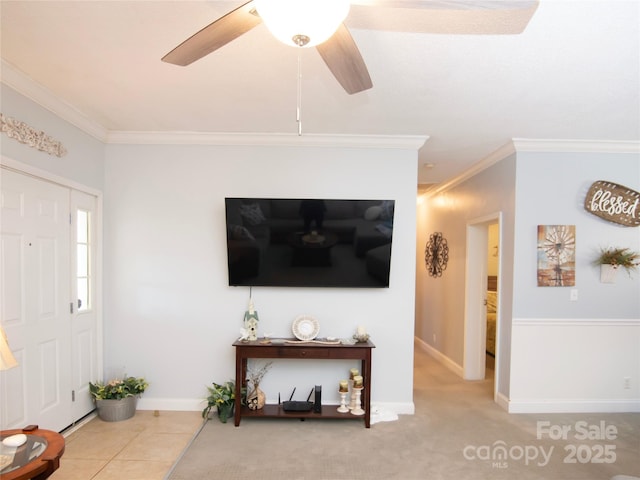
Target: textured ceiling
x=573, y=73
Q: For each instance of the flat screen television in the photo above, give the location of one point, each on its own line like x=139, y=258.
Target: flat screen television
x=286, y=242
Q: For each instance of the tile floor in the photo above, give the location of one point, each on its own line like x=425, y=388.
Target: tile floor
x=141, y=448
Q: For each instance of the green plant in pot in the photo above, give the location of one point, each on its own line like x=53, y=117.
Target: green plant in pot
x=116, y=399
x=618, y=257
x=222, y=397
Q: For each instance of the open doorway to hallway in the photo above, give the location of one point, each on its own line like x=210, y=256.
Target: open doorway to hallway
x=491, y=302
x=482, y=326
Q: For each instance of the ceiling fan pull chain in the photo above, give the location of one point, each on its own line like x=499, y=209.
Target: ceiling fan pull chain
x=299, y=97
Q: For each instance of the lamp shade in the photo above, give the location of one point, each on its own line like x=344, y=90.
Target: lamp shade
x=302, y=23
x=7, y=360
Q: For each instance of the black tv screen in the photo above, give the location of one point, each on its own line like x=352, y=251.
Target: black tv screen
x=279, y=242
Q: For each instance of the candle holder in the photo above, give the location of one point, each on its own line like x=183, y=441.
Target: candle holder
x=343, y=402
x=352, y=396
x=358, y=404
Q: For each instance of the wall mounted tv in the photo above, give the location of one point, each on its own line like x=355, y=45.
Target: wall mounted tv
x=309, y=242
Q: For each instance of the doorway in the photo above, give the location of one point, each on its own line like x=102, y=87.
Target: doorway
x=481, y=292
x=49, y=269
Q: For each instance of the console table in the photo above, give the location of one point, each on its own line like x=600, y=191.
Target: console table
x=36, y=459
x=306, y=350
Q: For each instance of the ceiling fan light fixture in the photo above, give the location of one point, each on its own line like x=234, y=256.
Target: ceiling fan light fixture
x=302, y=23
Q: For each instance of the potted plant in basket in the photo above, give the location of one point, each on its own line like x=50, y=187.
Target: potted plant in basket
x=223, y=397
x=117, y=399
x=612, y=258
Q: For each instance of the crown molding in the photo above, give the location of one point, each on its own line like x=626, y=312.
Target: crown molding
x=491, y=159
x=411, y=142
x=25, y=85
x=576, y=146
x=528, y=145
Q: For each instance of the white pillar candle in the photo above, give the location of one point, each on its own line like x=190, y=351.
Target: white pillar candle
x=361, y=331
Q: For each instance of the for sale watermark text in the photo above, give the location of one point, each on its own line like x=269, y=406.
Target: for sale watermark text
x=586, y=443
x=578, y=431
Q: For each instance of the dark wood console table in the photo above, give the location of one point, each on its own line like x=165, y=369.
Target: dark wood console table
x=259, y=349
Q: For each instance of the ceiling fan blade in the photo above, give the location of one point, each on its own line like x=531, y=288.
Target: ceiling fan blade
x=457, y=17
x=343, y=58
x=451, y=4
x=214, y=35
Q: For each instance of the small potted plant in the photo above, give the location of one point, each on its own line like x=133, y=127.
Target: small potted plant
x=612, y=258
x=117, y=399
x=223, y=397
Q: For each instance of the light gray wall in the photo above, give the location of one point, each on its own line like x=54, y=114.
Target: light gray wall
x=551, y=188
x=169, y=314
x=84, y=160
x=578, y=353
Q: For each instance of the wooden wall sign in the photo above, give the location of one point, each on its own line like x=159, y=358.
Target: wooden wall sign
x=613, y=202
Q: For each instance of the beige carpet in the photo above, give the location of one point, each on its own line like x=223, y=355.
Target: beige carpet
x=456, y=422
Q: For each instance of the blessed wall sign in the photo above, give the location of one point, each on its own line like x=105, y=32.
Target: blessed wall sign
x=613, y=202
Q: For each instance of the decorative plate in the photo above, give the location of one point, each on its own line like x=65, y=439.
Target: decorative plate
x=305, y=327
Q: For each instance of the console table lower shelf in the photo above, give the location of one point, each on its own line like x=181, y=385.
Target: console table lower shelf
x=294, y=350
x=276, y=411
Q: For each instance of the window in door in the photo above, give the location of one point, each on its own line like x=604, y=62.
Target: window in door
x=84, y=261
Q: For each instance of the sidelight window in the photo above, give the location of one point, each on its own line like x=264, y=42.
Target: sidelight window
x=83, y=254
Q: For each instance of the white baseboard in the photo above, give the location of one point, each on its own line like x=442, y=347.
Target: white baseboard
x=574, y=406
x=502, y=401
x=405, y=408
x=197, y=405
x=439, y=356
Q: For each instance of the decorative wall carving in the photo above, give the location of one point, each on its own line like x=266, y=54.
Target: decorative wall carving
x=23, y=133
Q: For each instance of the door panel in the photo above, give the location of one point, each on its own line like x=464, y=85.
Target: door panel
x=13, y=393
x=35, y=312
x=11, y=248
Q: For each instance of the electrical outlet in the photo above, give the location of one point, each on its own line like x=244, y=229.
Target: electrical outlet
x=434, y=338
x=573, y=296
x=627, y=383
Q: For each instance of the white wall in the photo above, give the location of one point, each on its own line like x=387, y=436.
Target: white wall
x=169, y=314
x=573, y=356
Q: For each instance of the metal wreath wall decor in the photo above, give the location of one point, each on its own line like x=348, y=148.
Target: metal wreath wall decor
x=436, y=254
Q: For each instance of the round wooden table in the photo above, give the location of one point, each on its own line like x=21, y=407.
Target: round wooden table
x=36, y=459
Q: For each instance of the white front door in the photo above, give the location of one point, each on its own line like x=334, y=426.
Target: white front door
x=84, y=319
x=35, y=301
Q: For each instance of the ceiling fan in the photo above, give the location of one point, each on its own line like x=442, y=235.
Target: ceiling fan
x=339, y=51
